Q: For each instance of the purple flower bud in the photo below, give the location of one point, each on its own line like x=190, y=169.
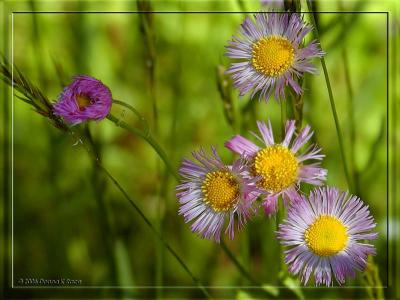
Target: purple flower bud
x=86, y=98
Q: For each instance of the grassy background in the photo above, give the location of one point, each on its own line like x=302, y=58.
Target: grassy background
x=70, y=221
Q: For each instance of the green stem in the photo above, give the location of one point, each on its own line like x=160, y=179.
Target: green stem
x=351, y=120
x=279, y=218
x=332, y=102
x=297, y=104
x=149, y=224
x=280, y=208
x=99, y=189
x=283, y=118
x=149, y=139
x=148, y=24
x=233, y=258
x=372, y=281
x=136, y=113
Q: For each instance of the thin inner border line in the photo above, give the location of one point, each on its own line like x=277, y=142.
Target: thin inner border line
x=193, y=287
x=190, y=12
x=12, y=150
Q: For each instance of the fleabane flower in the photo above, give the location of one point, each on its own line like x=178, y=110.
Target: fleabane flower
x=281, y=166
x=270, y=55
x=325, y=234
x=86, y=98
x=213, y=194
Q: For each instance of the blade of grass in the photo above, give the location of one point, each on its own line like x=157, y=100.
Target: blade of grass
x=350, y=108
x=331, y=101
x=283, y=118
x=99, y=187
x=235, y=261
x=146, y=23
x=267, y=293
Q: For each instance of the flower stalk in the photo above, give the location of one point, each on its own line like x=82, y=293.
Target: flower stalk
x=149, y=139
x=332, y=102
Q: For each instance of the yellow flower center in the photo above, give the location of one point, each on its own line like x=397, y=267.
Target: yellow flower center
x=277, y=166
x=220, y=190
x=83, y=101
x=326, y=236
x=272, y=55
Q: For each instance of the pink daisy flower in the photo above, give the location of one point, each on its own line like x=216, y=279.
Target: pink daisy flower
x=281, y=166
x=213, y=192
x=326, y=235
x=270, y=54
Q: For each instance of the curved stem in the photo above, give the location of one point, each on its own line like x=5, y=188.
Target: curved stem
x=237, y=263
x=134, y=110
x=149, y=139
x=332, y=103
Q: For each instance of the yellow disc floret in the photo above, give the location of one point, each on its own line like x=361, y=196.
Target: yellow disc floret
x=272, y=55
x=326, y=236
x=220, y=190
x=82, y=101
x=277, y=166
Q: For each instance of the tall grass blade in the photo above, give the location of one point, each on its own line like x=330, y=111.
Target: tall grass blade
x=331, y=101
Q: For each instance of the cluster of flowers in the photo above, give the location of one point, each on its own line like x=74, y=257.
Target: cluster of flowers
x=324, y=231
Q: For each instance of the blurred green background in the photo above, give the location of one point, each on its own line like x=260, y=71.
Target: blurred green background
x=70, y=221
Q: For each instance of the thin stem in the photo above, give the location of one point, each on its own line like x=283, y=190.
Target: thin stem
x=283, y=118
x=297, y=104
x=149, y=139
x=237, y=263
x=279, y=218
x=134, y=110
x=242, y=7
x=148, y=30
x=371, y=279
x=232, y=119
x=98, y=189
x=149, y=224
x=352, y=121
x=352, y=126
x=332, y=103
